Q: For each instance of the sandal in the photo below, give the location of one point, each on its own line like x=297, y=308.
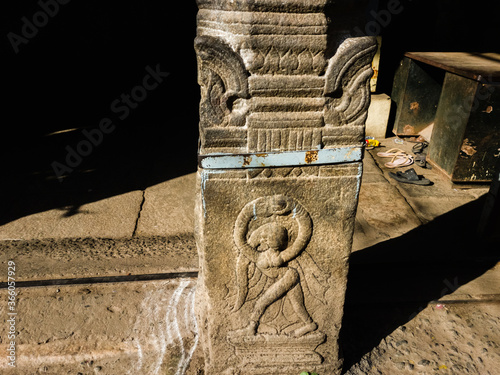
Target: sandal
x=390, y=153
x=410, y=177
x=420, y=160
x=419, y=147
x=400, y=160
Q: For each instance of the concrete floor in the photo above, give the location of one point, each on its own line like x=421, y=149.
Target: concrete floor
x=423, y=294
x=424, y=290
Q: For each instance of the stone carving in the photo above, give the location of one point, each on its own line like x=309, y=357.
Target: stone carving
x=348, y=82
x=271, y=255
x=282, y=172
x=223, y=80
x=266, y=78
x=275, y=79
x=302, y=213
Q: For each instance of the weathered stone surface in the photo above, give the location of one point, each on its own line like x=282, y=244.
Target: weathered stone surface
x=274, y=239
x=71, y=258
x=115, y=329
x=274, y=266
x=373, y=224
x=168, y=208
x=114, y=217
x=268, y=84
x=100, y=240
x=441, y=339
x=378, y=116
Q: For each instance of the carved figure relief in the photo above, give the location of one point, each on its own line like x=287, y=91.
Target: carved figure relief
x=269, y=84
x=271, y=235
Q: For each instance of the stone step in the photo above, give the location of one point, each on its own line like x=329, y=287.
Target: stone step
x=83, y=258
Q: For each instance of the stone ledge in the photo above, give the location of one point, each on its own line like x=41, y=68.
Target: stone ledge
x=48, y=259
x=137, y=233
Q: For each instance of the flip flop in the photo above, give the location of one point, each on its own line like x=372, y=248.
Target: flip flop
x=419, y=147
x=390, y=153
x=400, y=160
x=410, y=177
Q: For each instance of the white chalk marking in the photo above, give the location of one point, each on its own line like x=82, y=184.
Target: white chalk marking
x=160, y=337
x=137, y=343
x=161, y=333
x=175, y=323
x=191, y=300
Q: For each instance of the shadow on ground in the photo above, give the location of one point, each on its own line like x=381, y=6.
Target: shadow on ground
x=64, y=80
x=67, y=73
x=392, y=281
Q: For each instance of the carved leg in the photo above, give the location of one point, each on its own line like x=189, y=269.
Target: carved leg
x=296, y=296
x=284, y=284
x=275, y=292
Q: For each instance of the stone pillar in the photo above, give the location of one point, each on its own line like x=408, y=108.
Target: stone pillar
x=282, y=113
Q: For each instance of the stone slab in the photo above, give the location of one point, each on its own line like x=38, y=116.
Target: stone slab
x=168, y=208
x=119, y=328
x=318, y=201
x=382, y=214
x=163, y=240
x=114, y=217
x=430, y=208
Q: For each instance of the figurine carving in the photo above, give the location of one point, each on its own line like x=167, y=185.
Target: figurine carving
x=273, y=254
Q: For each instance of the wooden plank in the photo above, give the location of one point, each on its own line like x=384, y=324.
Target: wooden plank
x=451, y=120
x=489, y=224
x=484, y=67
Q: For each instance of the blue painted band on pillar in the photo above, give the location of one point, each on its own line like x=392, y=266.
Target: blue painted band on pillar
x=281, y=159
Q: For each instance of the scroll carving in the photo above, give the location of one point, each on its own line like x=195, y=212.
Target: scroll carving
x=348, y=82
x=268, y=85
x=224, y=81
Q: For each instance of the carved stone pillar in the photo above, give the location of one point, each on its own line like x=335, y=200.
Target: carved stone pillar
x=282, y=112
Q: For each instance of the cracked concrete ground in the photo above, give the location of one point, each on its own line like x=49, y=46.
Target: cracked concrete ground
x=423, y=294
